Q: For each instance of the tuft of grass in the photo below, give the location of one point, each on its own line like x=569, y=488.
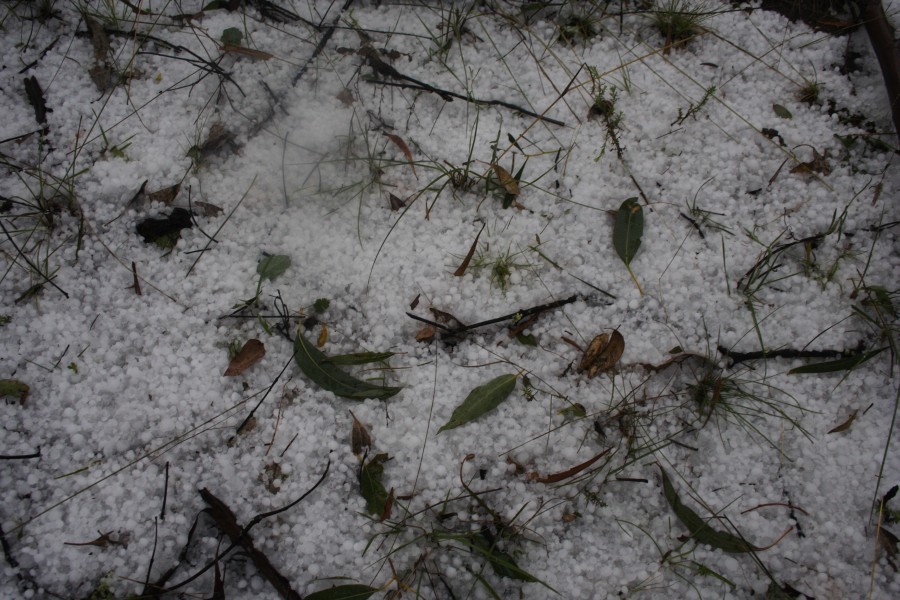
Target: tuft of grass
x=679, y=20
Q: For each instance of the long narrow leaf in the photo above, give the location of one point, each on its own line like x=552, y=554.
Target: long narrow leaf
x=700, y=529
x=352, y=591
x=847, y=363
x=314, y=364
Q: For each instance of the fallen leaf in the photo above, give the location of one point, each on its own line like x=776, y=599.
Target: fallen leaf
x=846, y=424
x=248, y=52
x=272, y=266
x=205, y=209
x=360, y=440
x=627, y=233
x=351, y=591
x=557, y=477
x=818, y=164
x=509, y=183
x=272, y=476
x=461, y=270
x=323, y=336
x=346, y=97
x=781, y=111
x=481, y=400
x=426, y=334
x=250, y=353
x=388, y=505
x=359, y=358
x=700, y=529
x=165, y=195
x=403, y=148
x=396, y=203
x=602, y=353
x=370, y=486
x=314, y=365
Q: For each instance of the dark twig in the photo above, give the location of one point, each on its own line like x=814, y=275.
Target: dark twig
x=409, y=83
x=739, y=357
x=162, y=513
x=21, y=456
x=516, y=315
x=323, y=41
x=219, y=509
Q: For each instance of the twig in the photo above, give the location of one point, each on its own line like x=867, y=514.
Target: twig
x=516, y=315
x=409, y=83
x=739, y=357
x=162, y=514
x=36, y=454
x=137, y=282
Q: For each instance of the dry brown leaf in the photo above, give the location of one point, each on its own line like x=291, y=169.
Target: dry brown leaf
x=360, y=440
x=272, y=477
x=557, y=477
x=414, y=303
x=345, y=96
x=508, y=182
x=396, y=202
x=602, y=353
x=388, y=505
x=323, y=336
x=248, y=52
x=818, y=164
x=205, y=209
x=846, y=424
x=165, y=195
x=426, y=334
x=250, y=354
x=461, y=270
x=403, y=148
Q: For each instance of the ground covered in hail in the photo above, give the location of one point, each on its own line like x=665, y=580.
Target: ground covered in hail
x=445, y=300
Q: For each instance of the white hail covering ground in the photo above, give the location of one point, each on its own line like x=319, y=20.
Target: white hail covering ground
x=124, y=386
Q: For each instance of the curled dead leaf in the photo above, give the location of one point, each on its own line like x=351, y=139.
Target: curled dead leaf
x=251, y=353
x=323, y=336
x=360, y=440
x=602, y=353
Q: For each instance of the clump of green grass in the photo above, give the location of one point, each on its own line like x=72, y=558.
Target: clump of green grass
x=679, y=20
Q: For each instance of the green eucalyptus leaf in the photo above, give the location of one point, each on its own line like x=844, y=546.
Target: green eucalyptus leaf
x=370, y=486
x=358, y=358
x=698, y=528
x=352, y=591
x=232, y=36
x=480, y=400
x=314, y=364
x=628, y=230
x=782, y=112
x=848, y=363
x=272, y=266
